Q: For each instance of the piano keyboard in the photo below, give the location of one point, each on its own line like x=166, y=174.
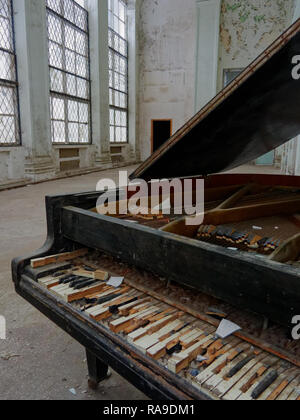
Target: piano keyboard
x=229, y=369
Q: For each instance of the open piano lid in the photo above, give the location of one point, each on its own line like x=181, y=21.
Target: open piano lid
x=257, y=112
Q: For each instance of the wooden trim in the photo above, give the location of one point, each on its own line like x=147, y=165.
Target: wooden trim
x=289, y=251
x=240, y=214
x=67, y=256
x=152, y=123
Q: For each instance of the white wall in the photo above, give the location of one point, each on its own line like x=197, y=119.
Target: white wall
x=168, y=33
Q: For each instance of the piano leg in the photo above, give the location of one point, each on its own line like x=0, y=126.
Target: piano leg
x=98, y=371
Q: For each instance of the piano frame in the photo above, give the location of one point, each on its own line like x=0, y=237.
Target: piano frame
x=260, y=285
x=71, y=225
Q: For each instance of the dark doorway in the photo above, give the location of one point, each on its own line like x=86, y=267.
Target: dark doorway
x=161, y=132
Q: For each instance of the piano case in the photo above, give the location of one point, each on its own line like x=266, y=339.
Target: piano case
x=256, y=113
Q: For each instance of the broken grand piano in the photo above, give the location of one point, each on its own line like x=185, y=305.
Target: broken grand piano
x=158, y=328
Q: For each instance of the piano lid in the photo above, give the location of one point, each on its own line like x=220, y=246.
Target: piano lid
x=257, y=112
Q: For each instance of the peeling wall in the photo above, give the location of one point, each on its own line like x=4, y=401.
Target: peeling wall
x=168, y=33
x=247, y=28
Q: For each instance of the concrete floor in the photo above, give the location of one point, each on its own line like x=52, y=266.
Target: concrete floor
x=38, y=360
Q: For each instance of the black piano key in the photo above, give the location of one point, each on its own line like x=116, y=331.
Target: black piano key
x=67, y=279
x=102, y=300
x=90, y=269
x=239, y=366
x=108, y=298
x=175, y=349
x=59, y=274
x=78, y=280
x=85, y=284
x=114, y=309
x=264, y=385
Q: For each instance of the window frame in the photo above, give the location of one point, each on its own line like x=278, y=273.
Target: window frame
x=13, y=84
x=62, y=95
x=113, y=51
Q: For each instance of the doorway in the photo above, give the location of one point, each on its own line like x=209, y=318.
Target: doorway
x=161, y=131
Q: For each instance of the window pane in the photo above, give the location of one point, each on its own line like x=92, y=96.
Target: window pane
x=68, y=39
x=118, y=64
x=9, y=114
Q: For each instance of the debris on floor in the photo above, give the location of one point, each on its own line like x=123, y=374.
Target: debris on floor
x=7, y=357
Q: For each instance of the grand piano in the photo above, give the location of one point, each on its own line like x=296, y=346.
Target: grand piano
x=176, y=284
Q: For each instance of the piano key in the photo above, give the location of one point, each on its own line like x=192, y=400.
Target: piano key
x=216, y=350
x=107, y=290
x=267, y=381
x=165, y=311
x=95, y=274
x=295, y=395
x=84, y=284
x=48, y=282
x=107, y=296
x=262, y=372
x=289, y=389
x=279, y=389
x=148, y=341
x=234, y=357
x=239, y=366
x=67, y=279
x=55, y=277
x=121, y=324
x=102, y=307
x=213, y=375
x=192, y=339
x=71, y=296
x=182, y=360
x=144, y=322
x=141, y=332
x=139, y=307
x=125, y=310
x=251, y=377
x=224, y=386
x=277, y=386
x=59, y=288
x=160, y=349
x=114, y=309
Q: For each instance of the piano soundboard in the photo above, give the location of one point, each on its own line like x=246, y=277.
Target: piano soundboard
x=161, y=321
